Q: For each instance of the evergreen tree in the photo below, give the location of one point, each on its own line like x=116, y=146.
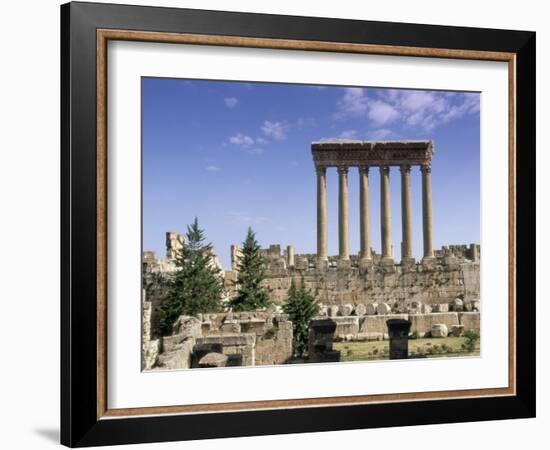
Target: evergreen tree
x=251, y=272
x=301, y=307
x=197, y=285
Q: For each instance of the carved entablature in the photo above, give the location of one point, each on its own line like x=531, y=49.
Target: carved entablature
x=371, y=153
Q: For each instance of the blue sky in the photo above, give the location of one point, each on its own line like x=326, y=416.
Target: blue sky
x=238, y=154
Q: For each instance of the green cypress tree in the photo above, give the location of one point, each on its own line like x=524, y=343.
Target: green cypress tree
x=251, y=295
x=301, y=307
x=197, y=286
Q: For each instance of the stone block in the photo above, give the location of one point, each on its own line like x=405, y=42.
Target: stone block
x=213, y=360
x=321, y=337
x=439, y=330
x=333, y=310
x=426, y=309
x=371, y=309
x=422, y=323
x=346, y=310
x=231, y=326
x=457, y=305
x=228, y=339
x=377, y=324
x=369, y=336
x=346, y=325
x=414, y=307
x=188, y=326
x=383, y=309
x=344, y=265
x=470, y=320
x=257, y=326
x=457, y=330
x=178, y=358
x=440, y=307
x=360, y=310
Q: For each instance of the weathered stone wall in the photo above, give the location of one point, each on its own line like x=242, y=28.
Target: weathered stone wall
x=451, y=275
x=149, y=348
x=256, y=338
x=374, y=328
x=336, y=286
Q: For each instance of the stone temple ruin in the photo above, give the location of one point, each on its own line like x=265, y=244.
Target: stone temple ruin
x=439, y=294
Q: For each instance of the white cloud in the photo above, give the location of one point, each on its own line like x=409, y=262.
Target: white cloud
x=424, y=110
x=381, y=113
x=213, y=168
x=230, y=102
x=354, y=102
x=428, y=110
x=276, y=130
x=261, y=141
x=242, y=140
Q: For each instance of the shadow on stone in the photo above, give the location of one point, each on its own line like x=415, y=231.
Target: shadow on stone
x=321, y=338
x=398, y=331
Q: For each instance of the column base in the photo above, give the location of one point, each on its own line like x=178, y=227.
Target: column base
x=408, y=262
x=387, y=261
x=365, y=264
x=344, y=264
x=429, y=261
x=321, y=264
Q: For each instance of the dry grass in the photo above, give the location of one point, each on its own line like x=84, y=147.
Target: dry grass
x=418, y=348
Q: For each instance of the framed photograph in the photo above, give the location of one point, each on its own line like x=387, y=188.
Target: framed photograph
x=276, y=224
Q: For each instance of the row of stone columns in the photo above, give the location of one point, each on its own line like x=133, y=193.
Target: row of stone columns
x=385, y=214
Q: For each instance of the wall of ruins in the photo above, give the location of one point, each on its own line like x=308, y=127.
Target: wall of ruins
x=247, y=338
x=451, y=275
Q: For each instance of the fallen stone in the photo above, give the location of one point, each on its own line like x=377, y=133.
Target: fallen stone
x=439, y=330
x=457, y=305
x=426, y=309
x=383, y=309
x=457, y=330
x=213, y=360
x=346, y=310
x=371, y=309
x=360, y=310
x=422, y=323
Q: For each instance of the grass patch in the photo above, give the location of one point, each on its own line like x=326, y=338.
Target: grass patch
x=418, y=348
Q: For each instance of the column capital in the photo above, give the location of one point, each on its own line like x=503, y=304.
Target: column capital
x=384, y=170
x=426, y=168
x=320, y=170
x=342, y=170
x=364, y=170
x=405, y=168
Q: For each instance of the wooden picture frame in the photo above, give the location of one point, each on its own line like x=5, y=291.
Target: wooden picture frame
x=85, y=416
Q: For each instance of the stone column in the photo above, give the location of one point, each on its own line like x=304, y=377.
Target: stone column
x=322, y=231
x=290, y=256
x=343, y=218
x=385, y=212
x=364, y=213
x=406, y=214
x=427, y=210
